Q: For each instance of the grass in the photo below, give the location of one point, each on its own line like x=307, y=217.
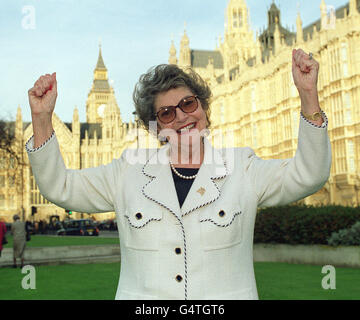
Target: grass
x=56, y=241
x=62, y=282
x=275, y=281
x=283, y=281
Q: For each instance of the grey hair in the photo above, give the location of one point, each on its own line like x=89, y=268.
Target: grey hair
x=162, y=78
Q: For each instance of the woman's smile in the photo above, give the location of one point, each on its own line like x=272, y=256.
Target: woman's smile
x=187, y=128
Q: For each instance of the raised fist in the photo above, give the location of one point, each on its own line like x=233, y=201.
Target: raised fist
x=42, y=96
x=305, y=70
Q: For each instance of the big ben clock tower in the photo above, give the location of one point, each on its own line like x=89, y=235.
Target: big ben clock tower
x=101, y=93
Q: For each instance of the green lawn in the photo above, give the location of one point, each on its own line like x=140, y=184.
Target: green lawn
x=56, y=241
x=283, y=281
x=278, y=281
x=62, y=282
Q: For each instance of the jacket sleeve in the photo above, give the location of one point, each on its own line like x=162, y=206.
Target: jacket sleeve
x=86, y=190
x=280, y=182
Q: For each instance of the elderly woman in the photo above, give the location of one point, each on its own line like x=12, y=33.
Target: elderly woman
x=186, y=213
x=18, y=231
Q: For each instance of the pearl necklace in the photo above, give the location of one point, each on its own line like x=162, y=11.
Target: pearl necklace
x=181, y=175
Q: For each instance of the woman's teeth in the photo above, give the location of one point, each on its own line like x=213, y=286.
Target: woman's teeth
x=187, y=128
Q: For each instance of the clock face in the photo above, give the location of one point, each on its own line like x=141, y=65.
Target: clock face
x=100, y=110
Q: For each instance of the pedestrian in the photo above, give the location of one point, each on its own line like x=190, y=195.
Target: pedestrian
x=2, y=233
x=186, y=211
x=36, y=227
x=18, y=230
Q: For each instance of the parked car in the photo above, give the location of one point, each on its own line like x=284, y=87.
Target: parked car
x=109, y=225
x=81, y=227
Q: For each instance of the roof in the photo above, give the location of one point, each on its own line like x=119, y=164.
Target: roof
x=101, y=85
x=11, y=125
x=100, y=63
x=91, y=129
x=200, y=58
x=339, y=14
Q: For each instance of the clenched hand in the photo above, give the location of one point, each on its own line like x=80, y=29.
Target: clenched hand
x=42, y=96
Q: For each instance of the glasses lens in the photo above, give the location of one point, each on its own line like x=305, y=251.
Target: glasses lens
x=189, y=105
x=167, y=115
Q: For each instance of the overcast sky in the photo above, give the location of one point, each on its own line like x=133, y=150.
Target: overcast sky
x=43, y=36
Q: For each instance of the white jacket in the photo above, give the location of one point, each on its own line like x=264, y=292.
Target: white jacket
x=213, y=229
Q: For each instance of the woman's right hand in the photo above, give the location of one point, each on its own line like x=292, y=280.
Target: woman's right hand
x=42, y=96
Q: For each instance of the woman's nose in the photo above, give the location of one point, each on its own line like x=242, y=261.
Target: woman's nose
x=180, y=115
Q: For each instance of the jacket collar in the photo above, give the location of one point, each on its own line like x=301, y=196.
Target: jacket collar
x=204, y=189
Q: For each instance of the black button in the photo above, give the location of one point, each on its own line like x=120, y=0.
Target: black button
x=222, y=213
x=178, y=278
x=138, y=216
x=177, y=250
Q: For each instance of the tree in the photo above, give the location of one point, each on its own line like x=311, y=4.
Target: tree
x=12, y=163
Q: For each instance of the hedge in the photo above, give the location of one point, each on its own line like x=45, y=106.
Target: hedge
x=303, y=224
x=346, y=237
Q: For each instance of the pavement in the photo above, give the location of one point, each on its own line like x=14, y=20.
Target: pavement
x=67, y=254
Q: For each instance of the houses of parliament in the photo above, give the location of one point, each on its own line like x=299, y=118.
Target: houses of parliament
x=255, y=103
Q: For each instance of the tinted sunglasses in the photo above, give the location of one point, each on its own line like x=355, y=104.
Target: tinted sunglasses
x=168, y=114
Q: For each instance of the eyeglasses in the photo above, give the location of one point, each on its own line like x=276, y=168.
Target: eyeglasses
x=168, y=114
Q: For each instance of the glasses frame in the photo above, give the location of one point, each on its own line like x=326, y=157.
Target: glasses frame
x=177, y=106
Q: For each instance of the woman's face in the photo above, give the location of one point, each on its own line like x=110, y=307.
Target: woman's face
x=187, y=128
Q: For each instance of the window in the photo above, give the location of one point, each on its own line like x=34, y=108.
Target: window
x=340, y=157
x=287, y=125
x=285, y=85
x=253, y=97
x=347, y=108
x=11, y=202
x=351, y=156
x=272, y=93
x=348, y=117
x=12, y=162
x=295, y=123
x=344, y=52
x=344, y=58
x=335, y=64
x=91, y=160
x=347, y=100
x=337, y=104
x=2, y=162
x=235, y=17
x=2, y=181
x=294, y=91
x=11, y=181
x=254, y=136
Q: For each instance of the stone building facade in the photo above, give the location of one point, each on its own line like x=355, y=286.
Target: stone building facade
x=255, y=102
x=99, y=140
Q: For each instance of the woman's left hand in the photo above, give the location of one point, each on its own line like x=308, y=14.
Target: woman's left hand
x=305, y=72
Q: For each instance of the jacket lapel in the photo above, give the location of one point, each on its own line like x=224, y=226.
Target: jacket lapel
x=161, y=188
x=207, y=185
